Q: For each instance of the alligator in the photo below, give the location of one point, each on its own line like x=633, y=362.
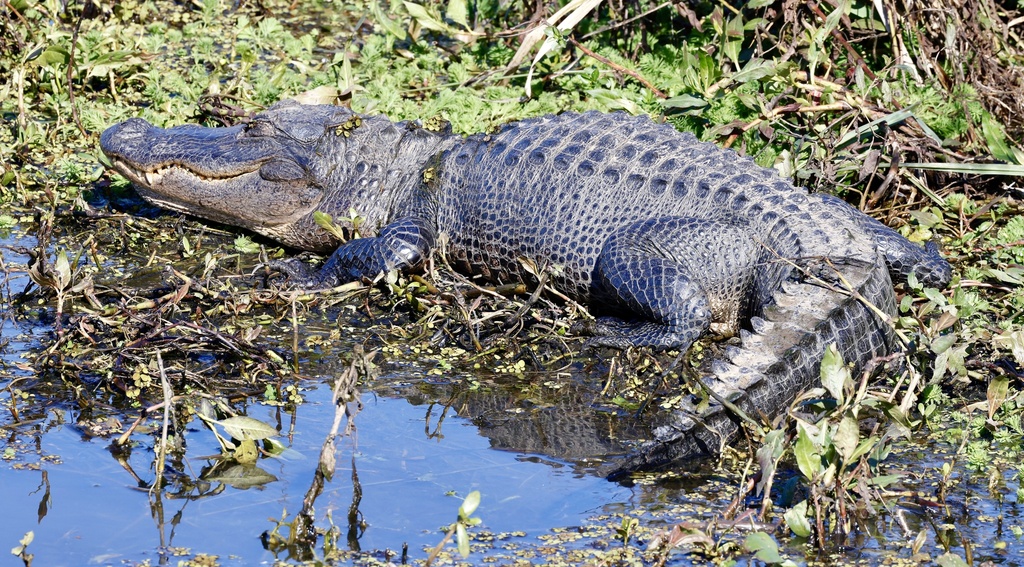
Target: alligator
x=665, y=237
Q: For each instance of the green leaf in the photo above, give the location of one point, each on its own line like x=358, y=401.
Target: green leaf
x=995, y=137
x=470, y=504
x=893, y=412
x=942, y=344
x=997, y=389
x=755, y=69
x=767, y=455
x=868, y=129
x=1013, y=340
x=684, y=102
x=796, y=519
x=834, y=373
x=424, y=17
x=864, y=446
x=625, y=403
x=934, y=295
x=846, y=437
x=62, y=267
x=807, y=458
x=950, y=560
x=245, y=245
x=708, y=71
x=458, y=13
x=244, y=427
x=612, y=100
x=346, y=78
x=205, y=410
x=884, y=480
x=246, y=453
x=54, y=56
x=240, y=476
x=763, y=547
x=108, y=61
x=967, y=168
x=732, y=42
x=832, y=20
x=829, y=475
x=926, y=218
x=276, y=448
x=1010, y=276
x=462, y=537
x=390, y=26
x=324, y=221
x=940, y=365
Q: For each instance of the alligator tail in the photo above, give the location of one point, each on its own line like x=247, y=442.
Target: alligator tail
x=778, y=358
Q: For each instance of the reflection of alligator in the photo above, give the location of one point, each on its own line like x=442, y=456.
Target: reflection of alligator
x=562, y=423
x=672, y=235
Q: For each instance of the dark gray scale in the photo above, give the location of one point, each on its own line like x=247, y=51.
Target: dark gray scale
x=577, y=166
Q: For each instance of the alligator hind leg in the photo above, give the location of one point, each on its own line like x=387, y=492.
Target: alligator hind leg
x=671, y=279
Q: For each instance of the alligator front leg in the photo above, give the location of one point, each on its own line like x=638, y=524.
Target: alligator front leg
x=400, y=245
x=672, y=279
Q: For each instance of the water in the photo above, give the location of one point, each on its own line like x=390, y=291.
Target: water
x=95, y=510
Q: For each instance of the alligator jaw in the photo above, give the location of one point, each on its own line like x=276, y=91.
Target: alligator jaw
x=226, y=175
x=154, y=175
x=177, y=188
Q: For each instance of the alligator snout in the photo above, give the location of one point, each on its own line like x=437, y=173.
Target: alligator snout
x=226, y=174
x=127, y=134
x=933, y=270
x=218, y=153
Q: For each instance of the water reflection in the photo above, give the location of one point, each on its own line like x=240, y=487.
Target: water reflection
x=409, y=484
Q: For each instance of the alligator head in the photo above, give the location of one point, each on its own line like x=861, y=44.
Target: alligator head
x=257, y=176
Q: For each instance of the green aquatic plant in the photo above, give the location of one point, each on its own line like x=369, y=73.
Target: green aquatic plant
x=459, y=528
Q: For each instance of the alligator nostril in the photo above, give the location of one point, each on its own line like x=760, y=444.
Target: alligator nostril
x=125, y=133
x=135, y=126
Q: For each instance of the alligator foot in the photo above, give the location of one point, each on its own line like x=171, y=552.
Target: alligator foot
x=616, y=333
x=301, y=274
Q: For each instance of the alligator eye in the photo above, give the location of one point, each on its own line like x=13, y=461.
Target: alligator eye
x=258, y=128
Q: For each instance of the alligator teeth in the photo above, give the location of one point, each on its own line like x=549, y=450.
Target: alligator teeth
x=151, y=177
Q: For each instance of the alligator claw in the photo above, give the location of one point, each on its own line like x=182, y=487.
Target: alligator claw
x=297, y=273
x=616, y=333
